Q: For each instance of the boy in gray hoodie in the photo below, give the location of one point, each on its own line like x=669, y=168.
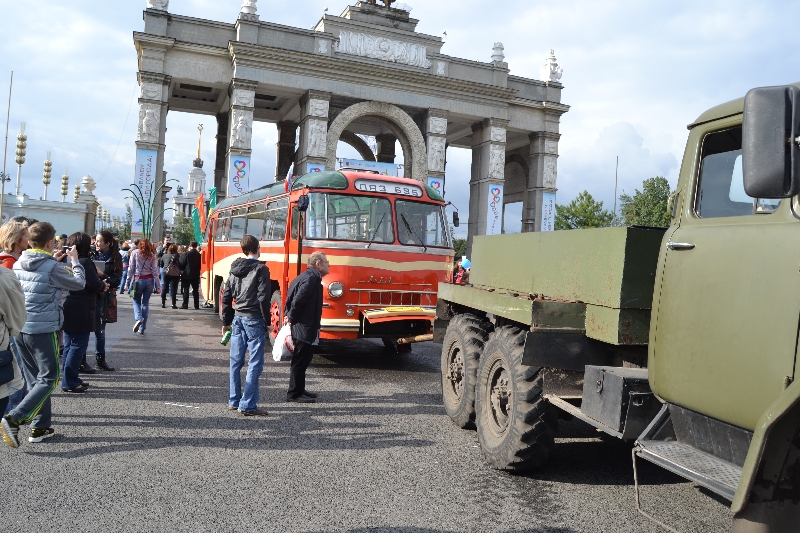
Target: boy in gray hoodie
x=42, y=278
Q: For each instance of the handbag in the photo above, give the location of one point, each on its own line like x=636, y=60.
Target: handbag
x=6, y=366
x=111, y=307
x=173, y=269
x=134, y=286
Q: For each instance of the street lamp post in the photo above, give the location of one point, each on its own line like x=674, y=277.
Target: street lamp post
x=77, y=192
x=48, y=171
x=64, y=186
x=22, y=144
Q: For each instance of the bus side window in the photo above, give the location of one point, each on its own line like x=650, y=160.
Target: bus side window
x=255, y=221
x=237, y=228
x=295, y=222
x=279, y=223
x=222, y=224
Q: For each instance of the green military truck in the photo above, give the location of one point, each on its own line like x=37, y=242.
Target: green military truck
x=682, y=340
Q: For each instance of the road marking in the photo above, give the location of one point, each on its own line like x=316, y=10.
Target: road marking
x=179, y=405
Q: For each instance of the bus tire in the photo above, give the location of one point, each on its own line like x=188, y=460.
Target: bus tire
x=516, y=425
x=275, y=315
x=463, y=345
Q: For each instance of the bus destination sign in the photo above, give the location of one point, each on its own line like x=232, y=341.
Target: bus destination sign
x=367, y=185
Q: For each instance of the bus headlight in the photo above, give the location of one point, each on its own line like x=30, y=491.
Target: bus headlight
x=335, y=289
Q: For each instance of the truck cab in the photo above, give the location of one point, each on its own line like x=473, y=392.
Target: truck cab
x=682, y=340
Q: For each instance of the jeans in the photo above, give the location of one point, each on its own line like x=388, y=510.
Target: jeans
x=39, y=354
x=141, y=302
x=194, y=284
x=164, y=285
x=14, y=399
x=303, y=354
x=170, y=284
x=99, y=328
x=75, y=345
x=124, y=278
x=247, y=334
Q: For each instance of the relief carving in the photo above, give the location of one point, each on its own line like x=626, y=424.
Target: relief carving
x=317, y=132
x=498, y=134
x=243, y=97
x=242, y=129
x=497, y=162
x=549, y=178
x=374, y=47
x=437, y=125
x=318, y=108
x=436, y=149
x=440, y=68
x=150, y=91
x=323, y=47
x=551, y=147
x=149, y=119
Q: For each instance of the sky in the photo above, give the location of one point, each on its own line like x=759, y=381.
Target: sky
x=635, y=74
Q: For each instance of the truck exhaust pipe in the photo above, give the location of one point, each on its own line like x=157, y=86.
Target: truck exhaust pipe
x=418, y=338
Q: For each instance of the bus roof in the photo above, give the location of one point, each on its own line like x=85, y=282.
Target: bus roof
x=333, y=180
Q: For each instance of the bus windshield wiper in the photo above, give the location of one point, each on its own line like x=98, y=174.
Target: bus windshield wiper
x=411, y=231
x=375, y=234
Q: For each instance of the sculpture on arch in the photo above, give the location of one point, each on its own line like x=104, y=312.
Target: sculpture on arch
x=161, y=5
x=242, y=130
x=436, y=148
x=148, y=123
x=316, y=138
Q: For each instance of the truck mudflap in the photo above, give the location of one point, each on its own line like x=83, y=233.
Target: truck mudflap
x=767, y=499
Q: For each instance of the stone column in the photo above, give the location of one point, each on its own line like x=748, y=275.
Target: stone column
x=90, y=201
x=151, y=137
x=541, y=178
x=223, y=122
x=436, y=140
x=488, y=168
x=287, y=135
x=237, y=163
x=387, y=146
x=312, y=152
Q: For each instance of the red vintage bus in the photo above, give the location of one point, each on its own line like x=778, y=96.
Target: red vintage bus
x=387, y=240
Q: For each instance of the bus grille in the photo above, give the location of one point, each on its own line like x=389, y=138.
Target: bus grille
x=368, y=298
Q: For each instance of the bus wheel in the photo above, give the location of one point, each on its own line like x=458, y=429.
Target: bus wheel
x=461, y=352
x=392, y=346
x=515, y=423
x=275, y=318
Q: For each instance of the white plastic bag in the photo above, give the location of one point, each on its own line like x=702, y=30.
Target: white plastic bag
x=283, y=348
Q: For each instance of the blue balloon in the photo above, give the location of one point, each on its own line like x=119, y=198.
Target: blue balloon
x=466, y=263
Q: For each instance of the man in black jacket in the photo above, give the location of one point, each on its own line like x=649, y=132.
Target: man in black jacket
x=303, y=313
x=190, y=264
x=250, y=286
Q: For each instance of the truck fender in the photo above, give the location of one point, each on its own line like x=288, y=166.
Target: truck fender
x=767, y=498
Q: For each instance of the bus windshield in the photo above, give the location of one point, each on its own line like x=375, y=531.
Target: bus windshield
x=421, y=224
x=349, y=218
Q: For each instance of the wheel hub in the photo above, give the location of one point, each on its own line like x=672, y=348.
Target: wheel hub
x=500, y=397
x=455, y=373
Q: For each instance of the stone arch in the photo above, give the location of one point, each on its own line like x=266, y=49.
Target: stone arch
x=516, y=158
x=358, y=143
x=398, y=121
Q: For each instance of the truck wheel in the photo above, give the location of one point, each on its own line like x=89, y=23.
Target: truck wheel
x=463, y=344
x=275, y=316
x=515, y=424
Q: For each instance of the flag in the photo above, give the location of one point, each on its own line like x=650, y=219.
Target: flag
x=287, y=184
x=212, y=200
x=200, y=204
x=198, y=232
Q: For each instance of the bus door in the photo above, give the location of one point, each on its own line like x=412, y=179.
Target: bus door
x=294, y=251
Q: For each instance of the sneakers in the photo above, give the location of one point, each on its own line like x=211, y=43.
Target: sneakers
x=38, y=435
x=10, y=431
x=137, y=326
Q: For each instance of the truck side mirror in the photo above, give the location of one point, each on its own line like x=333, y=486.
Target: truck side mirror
x=302, y=203
x=770, y=142
x=455, y=219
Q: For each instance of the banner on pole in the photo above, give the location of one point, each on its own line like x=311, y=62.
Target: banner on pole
x=437, y=184
x=548, y=211
x=494, y=215
x=145, y=177
x=200, y=205
x=239, y=174
x=198, y=233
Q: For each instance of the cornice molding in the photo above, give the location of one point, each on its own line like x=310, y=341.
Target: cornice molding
x=554, y=107
x=201, y=49
x=340, y=69
x=157, y=41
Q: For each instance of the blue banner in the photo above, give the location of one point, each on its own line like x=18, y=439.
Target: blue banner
x=548, y=211
x=239, y=178
x=145, y=176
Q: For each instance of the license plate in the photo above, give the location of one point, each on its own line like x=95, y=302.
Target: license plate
x=402, y=309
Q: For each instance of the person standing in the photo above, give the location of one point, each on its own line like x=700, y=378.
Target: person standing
x=190, y=264
x=160, y=251
x=80, y=321
x=42, y=278
x=144, y=272
x=169, y=263
x=12, y=319
x=249, y=285
x=303, y=313
x=107, y=250
x=126, y=260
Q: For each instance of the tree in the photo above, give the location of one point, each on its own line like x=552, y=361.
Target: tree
x=127, y=227
x=183, y=233
x=460, y=246
x=647, y=207
x=583, y=212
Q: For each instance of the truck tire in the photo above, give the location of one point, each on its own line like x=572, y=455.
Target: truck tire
x=462, y=348
x=515, y=423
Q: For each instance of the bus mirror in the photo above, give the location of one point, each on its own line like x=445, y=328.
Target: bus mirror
x=770, y=138
x=455, y=219
x=302, y=203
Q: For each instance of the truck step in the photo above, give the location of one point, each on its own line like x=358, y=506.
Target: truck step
x=715, y=474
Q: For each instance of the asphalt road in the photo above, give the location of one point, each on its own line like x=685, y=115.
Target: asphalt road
x=377, y=453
